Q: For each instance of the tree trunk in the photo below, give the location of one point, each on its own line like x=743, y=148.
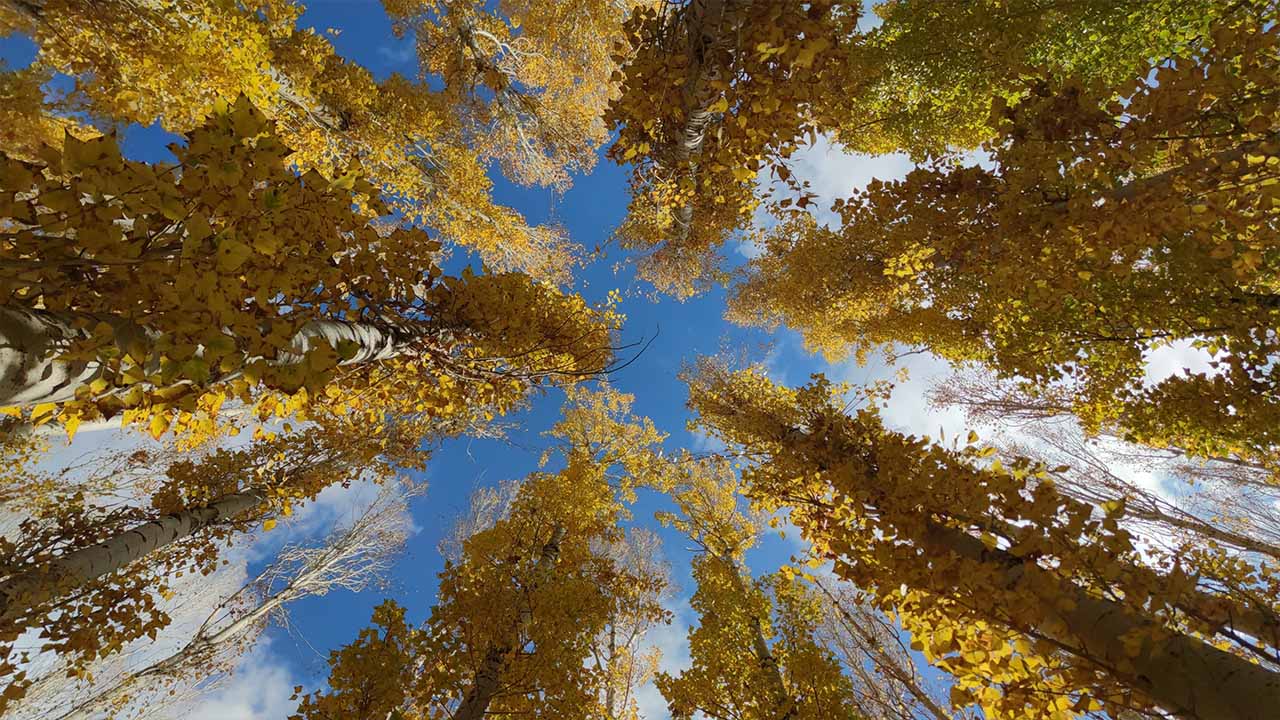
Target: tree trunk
x=20, y=593
x=1185, y=676
x=883, y=661
x=489, y=676
x=705, y=31
x=30, y=340
x=31, y=372
x=610, y=692
x=784, y=703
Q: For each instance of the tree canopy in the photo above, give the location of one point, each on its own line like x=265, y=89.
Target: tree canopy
x=338, y=273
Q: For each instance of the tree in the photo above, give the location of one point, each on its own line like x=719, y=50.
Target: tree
x=89, y=575
x=29, y=121
x=544, y=73
x=1222, y=500
x=1204, y=501
x=517, y=616
x=351, y=557
x=618, y=660
x=754, y=652
x=933, y=68
x=530, y=78
x=159, y=292
x=886, y=682
x=1114, y=219
x=714, y=91
x=718, y=94
x=1040, y=605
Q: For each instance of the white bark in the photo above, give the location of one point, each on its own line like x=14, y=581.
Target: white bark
x=351, y=557
x=488, y=678
x=1186, y=676
x=20, y=593
x=708, y=26
x=31, y=343
x=784, y=703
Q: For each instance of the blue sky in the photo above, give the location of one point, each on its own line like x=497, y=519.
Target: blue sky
x=680, y=333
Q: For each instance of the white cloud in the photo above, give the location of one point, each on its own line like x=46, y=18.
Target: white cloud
x=672, y=640
x=334, y=506
x=908, y=408
x=260, y=688
x=1177, y=358
x=832, y=173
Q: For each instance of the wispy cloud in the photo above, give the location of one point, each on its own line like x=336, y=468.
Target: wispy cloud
x=400, y=53
x=260, y=688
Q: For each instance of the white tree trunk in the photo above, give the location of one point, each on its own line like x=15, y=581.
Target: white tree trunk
x=350, y=557
x=489, y=676
x=1186, y=676
x=20, y=593
x=31, y=341
x=784, y=703
x=706, y=30
x=30, y=374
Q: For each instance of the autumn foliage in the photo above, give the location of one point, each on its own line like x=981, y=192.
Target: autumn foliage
x=318, y=287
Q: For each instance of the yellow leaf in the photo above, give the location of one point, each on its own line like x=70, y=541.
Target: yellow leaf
x=43, y=413
x=71, y=424
x=268, y=524
x=159, y=424
x=232, y=254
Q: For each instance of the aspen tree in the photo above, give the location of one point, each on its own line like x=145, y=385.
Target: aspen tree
x=157, y=293
x=1116, y=219
x=354, y=556
x=519, y=612
x=754, y=653
x=1037, y=603
x=88, y=576
x=718, y=95
x=170, y=61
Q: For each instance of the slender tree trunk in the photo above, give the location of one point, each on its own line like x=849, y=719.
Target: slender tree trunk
x=1199, y=168
x=489, y=676
x=1187, y=677
x=883, y=661
x=784, y=703
x=707, y=30
x=1204, y=529
x=20, y=593
x=610, y=692
x=31, y=341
